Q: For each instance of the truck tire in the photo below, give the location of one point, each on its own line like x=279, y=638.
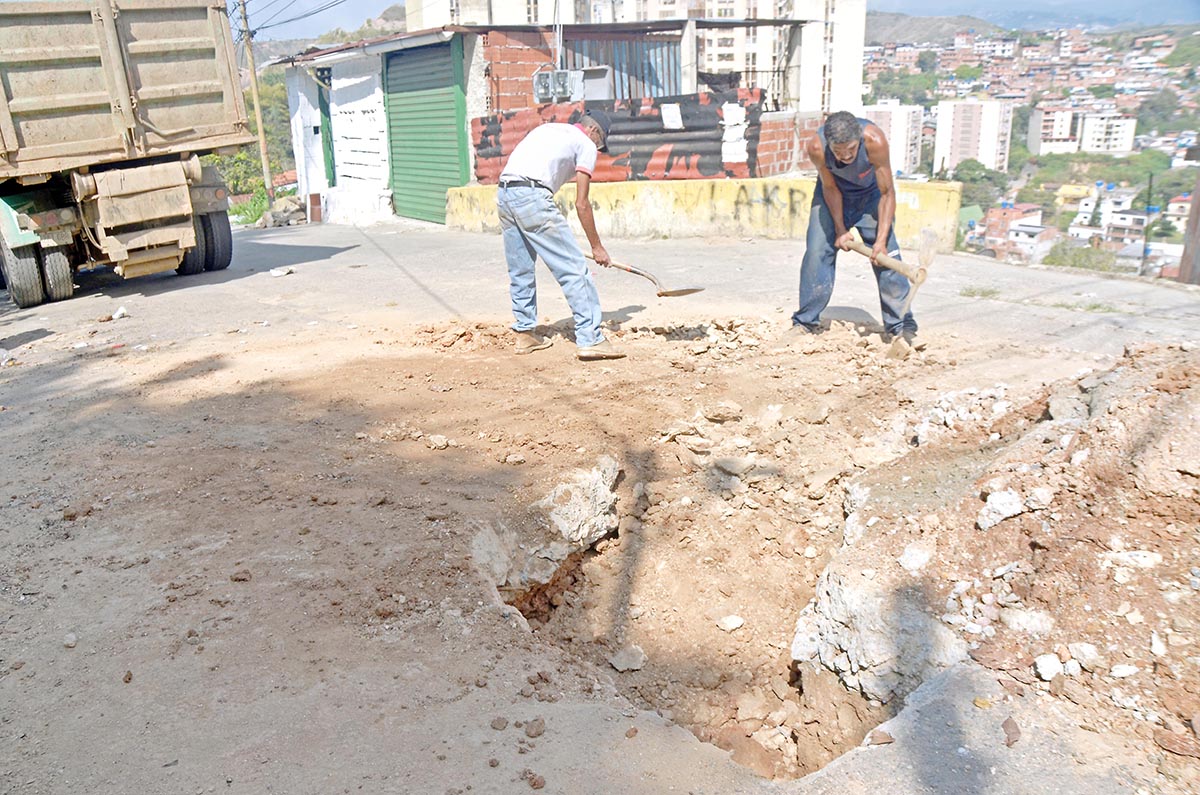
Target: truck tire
x=22, y=274
x=195, y=258
x=56, y=274
x=218, y=240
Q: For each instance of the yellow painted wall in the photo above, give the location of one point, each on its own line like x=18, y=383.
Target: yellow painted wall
x=772, y=207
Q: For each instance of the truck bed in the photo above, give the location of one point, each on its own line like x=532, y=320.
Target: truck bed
x=82, y=84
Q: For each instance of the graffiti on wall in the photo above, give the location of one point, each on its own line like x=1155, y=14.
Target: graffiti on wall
x=697, y=136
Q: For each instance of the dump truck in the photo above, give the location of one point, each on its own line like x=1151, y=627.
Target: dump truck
x=106, y=107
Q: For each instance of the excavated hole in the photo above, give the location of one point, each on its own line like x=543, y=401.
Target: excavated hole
x=778, y=720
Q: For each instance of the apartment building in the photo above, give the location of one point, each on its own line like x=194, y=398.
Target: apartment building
x=1053, y=131
x=996, y=48
x=902, y=126
x=972, y=130
x=435, y=14
x=1108, y=133
x=1178, y=210
x=1057, y=130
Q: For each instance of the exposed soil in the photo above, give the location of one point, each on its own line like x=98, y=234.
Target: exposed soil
x=187, y=528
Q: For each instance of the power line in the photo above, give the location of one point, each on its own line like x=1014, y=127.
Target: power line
x=313, y=12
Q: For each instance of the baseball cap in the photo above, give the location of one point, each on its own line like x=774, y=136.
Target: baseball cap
x=605, y=122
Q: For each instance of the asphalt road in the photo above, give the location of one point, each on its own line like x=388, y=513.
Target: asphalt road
x=413, y=273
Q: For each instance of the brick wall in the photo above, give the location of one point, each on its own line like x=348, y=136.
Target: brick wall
x=780, y=138
x=513, y=57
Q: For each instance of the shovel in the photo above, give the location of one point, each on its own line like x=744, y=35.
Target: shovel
x=647, y=275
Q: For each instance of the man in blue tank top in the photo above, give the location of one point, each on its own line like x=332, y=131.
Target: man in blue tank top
x=855, y=191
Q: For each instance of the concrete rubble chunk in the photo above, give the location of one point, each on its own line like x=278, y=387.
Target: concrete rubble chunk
x=1047, y=666
x=735, y=466
x=877, y=636
x=725, y=411
x=730, y=623
x=1032, y=622
x=915, y=556
x=999, y=506
x=581, y=510
x=1134, y=558
x=1040, y=498
x=1123, y=671
x=630, y=658
x=1088, y=656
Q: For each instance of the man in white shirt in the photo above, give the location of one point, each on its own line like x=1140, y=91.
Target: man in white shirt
x=533, y=226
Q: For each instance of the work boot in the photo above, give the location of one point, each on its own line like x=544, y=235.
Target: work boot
x=530, y=341
x=601, y=350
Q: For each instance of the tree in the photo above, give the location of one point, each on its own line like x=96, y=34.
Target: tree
x=909, y=89
x=981, y=185
x=927, y=61
x=243, y=171
x=1103, y=92
x=1157, y=111
x=965, y=72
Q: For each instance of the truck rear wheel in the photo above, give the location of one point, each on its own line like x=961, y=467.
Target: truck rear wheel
x=218, y=239
x=22, y=275
x=56, y=273
x=195, y=259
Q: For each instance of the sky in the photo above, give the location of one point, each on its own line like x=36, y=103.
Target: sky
x=350, y=14
x=345, y=14
x=271, y=17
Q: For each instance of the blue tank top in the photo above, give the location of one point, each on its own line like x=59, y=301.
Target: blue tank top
x=857, y=177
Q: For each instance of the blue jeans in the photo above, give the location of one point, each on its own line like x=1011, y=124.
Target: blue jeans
x=819, y=267
x=533, y=226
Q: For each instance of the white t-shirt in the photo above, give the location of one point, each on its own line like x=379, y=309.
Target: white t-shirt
x=551, y=154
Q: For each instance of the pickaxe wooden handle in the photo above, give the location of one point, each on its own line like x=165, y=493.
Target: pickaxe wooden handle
x=914, y=274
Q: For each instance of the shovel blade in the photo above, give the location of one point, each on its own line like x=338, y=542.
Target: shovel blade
x=679, y=292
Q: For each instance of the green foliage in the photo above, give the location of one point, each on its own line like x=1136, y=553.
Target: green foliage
x=909, y=89
x=1088, y=168
x=243, y=171
x=1103, y=92
x=965, y=72
x=1069, y=254
x=981, y=185
x=1186, y=53
x=927, y=61
x=1157, y=111
x=926, y=165
x=252, y=209
x=1167, y=186
x=1018, y=155
x=979, y=292
x=1162, y=229
x=1031, y=194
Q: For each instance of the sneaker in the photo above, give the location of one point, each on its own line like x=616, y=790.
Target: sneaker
x=601, y=350
x=530, y=341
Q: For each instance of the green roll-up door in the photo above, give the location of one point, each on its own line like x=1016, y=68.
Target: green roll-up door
x=427, y=132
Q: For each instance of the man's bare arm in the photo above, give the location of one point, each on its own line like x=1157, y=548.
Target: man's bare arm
x=877, y=154
x=583, y=208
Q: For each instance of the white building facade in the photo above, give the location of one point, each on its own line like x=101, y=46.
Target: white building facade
x=972, y=130
x=902, y=126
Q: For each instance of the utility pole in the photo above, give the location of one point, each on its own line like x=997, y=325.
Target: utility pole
x=1146, y=229
x=262, y=135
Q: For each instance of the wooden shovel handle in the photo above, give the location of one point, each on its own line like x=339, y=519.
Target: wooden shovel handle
x=911, y=272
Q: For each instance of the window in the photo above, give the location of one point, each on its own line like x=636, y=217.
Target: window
x=531, y=11
x=725, y=12
x=751, y=61
x=725, y=56
x=725, y=42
